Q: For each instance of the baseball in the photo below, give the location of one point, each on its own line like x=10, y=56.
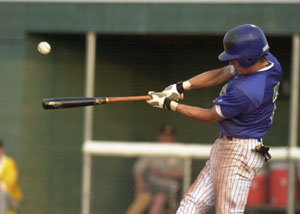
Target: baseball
x=44, y=47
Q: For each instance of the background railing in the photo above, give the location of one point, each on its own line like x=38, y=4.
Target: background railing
x=180, y=150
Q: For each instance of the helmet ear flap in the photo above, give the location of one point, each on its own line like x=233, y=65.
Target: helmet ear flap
x=248, y=59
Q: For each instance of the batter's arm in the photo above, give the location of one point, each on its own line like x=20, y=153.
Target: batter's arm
x=211, y=78
x=199, y=114
x=206, y=79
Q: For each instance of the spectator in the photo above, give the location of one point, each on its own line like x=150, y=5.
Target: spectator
x=157, y=178
x=10, y=192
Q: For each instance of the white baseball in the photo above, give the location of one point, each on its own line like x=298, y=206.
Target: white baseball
x=44, y=47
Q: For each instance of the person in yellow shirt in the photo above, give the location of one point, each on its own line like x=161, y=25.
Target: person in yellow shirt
x=10, y=191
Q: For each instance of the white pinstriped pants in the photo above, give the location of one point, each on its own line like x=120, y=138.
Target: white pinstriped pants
x=226, y=178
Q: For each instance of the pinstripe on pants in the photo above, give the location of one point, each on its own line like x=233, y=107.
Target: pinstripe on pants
x=226, y=178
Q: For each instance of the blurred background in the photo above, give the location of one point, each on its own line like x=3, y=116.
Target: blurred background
x=141, y=46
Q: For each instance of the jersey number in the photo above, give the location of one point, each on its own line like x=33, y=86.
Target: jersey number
x=275, y=95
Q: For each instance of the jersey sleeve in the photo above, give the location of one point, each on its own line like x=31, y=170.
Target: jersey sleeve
x=231, y=104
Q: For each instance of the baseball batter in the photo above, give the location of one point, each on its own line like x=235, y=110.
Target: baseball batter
x=244, y=112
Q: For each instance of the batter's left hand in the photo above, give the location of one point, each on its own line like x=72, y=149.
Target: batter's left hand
x=174, y=91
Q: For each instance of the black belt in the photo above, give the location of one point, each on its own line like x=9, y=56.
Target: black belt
x=260, y=148
x=231, y=138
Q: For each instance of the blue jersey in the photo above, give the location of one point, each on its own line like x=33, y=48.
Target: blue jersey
x=248, y=102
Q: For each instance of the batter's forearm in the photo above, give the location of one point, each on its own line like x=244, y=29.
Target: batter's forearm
x=210, y=78
x=199, y=114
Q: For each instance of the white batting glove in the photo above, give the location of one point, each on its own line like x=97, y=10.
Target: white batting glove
x=175, y=91
x=160, y=101
x=157, y=100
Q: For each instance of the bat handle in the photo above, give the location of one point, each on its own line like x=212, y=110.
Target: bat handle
x=104, y=100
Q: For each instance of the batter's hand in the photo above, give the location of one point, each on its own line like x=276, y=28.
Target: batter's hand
x=157, y=100
x=160, y=101
x=174, y=91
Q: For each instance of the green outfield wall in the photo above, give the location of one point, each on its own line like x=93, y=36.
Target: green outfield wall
x=140, y=47
x=147, y=18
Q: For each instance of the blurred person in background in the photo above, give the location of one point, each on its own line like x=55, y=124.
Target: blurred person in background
x=10, y=192
x=157, y=179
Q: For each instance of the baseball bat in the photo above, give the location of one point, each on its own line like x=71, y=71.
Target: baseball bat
x=71, y=102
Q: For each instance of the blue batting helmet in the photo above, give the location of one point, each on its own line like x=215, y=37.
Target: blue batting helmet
x=247, y=43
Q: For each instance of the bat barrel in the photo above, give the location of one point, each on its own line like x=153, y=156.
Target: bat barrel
x=68, y=102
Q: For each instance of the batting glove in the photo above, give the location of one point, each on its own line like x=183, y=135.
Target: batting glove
x=175, y=91
x=264, y=150
x=160, y=101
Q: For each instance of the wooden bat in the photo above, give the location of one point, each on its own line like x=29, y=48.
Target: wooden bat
x=71, y=102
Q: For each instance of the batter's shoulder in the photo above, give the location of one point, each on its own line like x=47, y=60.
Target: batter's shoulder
x=253, y=87
x=273, y=59
x=276, y=73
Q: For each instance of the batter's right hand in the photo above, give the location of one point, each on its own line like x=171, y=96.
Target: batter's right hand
x=174, y=91
x=160, y=101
